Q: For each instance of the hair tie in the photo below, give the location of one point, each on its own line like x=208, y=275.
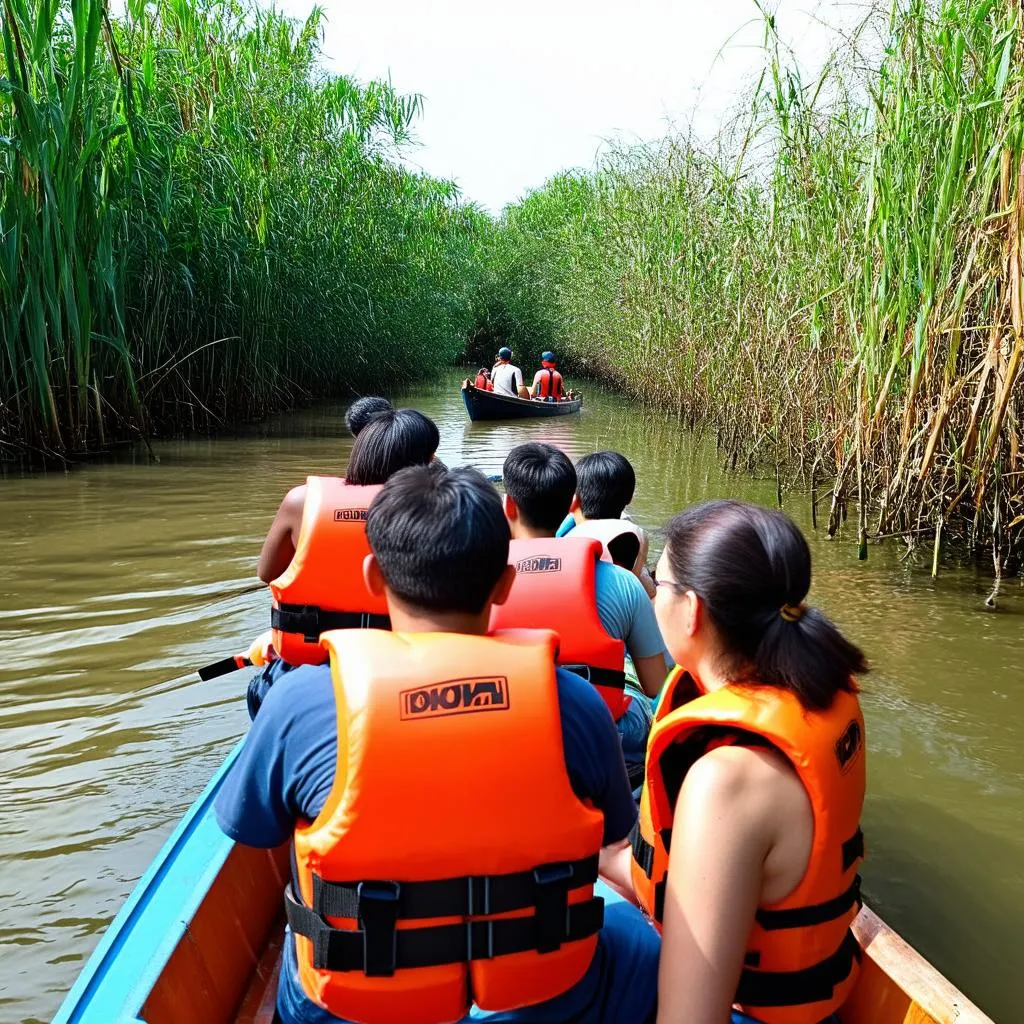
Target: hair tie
x=793, y=612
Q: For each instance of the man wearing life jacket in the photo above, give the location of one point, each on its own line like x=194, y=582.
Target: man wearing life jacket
x=312, y=557
x=452, y=859
x=605, y=483
x=506, y=377
x=749, y=839
x=547, y=381
x=564, y=585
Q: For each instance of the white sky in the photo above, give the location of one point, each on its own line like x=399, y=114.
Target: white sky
x=517, y=90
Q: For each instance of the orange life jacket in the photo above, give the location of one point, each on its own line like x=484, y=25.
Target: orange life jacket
x=323, y=586
x=801, y=960
x=549, y=383
x=483, y=383
x=444, y=869
x=608, y=531
x=554, y=589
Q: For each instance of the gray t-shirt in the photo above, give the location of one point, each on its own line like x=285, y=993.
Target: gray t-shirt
x=507, y=379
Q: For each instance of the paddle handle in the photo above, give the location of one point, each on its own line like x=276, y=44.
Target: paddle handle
x=223, y=667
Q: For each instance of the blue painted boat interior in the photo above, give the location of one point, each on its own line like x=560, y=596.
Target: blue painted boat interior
x=118, y=977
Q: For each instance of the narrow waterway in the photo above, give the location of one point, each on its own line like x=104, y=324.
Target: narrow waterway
x=121, y=577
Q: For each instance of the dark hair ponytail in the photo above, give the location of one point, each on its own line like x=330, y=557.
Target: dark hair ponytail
x=752, y=568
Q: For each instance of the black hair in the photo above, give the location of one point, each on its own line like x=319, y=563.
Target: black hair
x=440, y=538
x=540, y=479
x=605, y=482
x=362, y=410
x=392, y=440
x=748, y=563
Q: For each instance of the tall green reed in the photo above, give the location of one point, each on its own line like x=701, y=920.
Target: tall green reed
x=834, y=283
x=198, y=223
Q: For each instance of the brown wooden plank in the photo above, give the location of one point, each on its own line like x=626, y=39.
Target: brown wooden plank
x=212, y=968
x=898, y=986
x=259, y=1002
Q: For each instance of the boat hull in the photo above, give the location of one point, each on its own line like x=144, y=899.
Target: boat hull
x=486, y=405
x=200, y=939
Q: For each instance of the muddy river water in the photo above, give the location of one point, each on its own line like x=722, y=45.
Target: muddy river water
x=121, y=577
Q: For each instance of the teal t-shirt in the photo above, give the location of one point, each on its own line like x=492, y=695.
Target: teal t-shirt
x=626, y=611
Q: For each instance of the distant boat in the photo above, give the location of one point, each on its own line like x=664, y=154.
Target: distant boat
x=200, y=940
x=488, y=405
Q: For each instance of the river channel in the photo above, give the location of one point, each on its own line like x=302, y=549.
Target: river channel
x=121, y=577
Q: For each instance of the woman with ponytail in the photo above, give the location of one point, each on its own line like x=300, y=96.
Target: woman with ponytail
x=748, y=844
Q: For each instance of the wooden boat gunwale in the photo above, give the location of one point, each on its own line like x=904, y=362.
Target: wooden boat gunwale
x=175, y=909
x=480, y=404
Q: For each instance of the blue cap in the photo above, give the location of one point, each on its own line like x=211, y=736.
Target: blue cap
x=548, y=357
x=504, y=352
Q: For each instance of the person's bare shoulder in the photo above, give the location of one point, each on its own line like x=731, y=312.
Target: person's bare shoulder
x=294, y=500
x=756, y=779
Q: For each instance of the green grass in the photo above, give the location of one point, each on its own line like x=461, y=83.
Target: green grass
x=198, y=224
x=833, y=284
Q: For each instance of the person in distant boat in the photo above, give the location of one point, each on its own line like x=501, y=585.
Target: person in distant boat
x=506, y=377
x=605, y=484
x=547, y=381
x=326, y=581
x=749, y=839
x=472, y=771
x=483, y=379
x=585, y=600
x=362, y=410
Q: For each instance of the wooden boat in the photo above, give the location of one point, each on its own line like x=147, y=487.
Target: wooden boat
x=199, y=942
x=486, y=405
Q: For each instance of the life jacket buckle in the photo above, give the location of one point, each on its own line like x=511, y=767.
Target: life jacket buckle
x=378, y=917
x=478, y=901
x=551, y=884
x=480, y=940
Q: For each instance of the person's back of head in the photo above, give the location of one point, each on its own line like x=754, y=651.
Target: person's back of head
x=751, y=568
x=505, y=354
x=440, y=538
x=392, y=440
x=362, y=410
x=605, y=482
x=541, y=480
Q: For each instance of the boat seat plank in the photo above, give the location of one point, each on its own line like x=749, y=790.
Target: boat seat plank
x=260, y=1001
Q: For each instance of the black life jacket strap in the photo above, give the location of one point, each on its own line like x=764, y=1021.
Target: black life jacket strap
x=643, y=852
x=795, y=988
x=613, y=679
x=817, y=913
x=311, y=620
x=468, y=896
x=853, y=850
x=378, y=948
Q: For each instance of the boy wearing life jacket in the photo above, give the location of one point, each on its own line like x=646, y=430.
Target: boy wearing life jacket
x=452, y=858
x=605, y=483
x=599, y=609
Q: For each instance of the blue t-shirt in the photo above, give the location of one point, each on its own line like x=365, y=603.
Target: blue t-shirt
x=568, y=525
x=286, y=767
